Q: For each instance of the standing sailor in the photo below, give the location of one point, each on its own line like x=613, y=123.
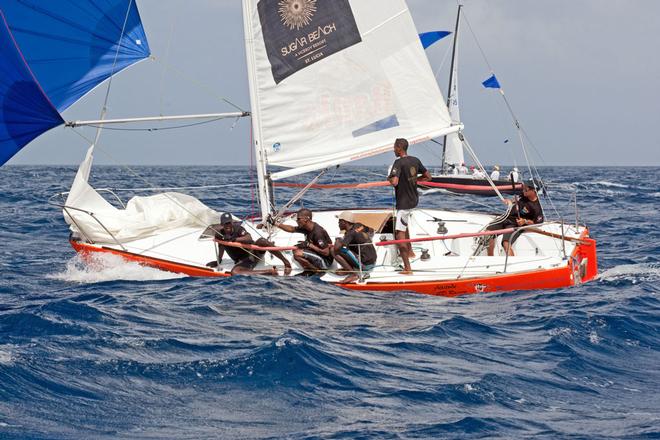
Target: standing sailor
x=404, y=177
x=514, y=176
x=495, y=175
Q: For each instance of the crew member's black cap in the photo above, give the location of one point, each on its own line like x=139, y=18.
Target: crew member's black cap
x=226, y=218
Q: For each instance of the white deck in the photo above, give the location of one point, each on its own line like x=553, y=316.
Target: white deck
x=448, y=259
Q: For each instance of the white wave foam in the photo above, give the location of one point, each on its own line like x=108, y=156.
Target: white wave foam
x=6, y=357
x=632, y=272
x=287, y=341
x=99, y=268
x=611, y=184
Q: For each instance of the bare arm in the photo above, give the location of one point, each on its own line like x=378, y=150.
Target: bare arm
x=322, y=251
x=394, y=180
x=286, y=228
x=425, y=177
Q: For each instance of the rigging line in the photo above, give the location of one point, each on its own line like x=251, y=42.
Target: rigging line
x=481, y=167
x=165, y=63
x=519, y=128
x=104, y=109
x=171, y=188
x=202, y=86
x=476, y=40
x=174, y=127
x=442, y=63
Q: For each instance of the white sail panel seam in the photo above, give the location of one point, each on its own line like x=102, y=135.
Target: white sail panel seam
x=375, y=28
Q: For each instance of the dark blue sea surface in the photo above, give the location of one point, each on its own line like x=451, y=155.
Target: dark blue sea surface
x=118, y=351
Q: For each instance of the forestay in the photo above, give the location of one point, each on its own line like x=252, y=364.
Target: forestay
x=335, y=81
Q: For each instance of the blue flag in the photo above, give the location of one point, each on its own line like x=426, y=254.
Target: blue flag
x=491, y=83
x=428, y=38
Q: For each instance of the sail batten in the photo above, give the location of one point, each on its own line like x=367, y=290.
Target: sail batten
x=344, y=82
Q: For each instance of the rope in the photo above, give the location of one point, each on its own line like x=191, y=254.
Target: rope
x=332, y=185
x=254, y=247
x=174, y=188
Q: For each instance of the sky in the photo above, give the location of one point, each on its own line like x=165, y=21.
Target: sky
x=582, y=76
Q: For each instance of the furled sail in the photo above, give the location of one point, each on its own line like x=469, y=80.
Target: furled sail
x=68, y=48
x=335, y=81
x=453, y=152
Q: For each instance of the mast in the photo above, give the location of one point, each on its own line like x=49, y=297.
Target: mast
x=452, y=90
x=264, y=182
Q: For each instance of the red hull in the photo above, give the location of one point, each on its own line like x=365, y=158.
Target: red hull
x=582, y=267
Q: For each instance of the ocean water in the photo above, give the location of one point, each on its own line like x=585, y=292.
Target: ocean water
x=118, y=351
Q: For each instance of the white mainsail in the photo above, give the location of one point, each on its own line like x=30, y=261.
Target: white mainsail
x=336, y=81
x=453, y=151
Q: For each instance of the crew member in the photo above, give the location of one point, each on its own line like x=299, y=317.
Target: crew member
x=514, y=175
x=524, y=211
x=403, y=177
x=355, y=250
x=246, y=259
x=313, y=254
x=495, y=175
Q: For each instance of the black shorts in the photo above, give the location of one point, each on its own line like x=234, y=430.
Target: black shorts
x=315, y=259
x=248, y=262
x=506, y=224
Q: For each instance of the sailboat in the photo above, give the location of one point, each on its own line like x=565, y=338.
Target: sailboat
x=330, y=83
x=454, y=175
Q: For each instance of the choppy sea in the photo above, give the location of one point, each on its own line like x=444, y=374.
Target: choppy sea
x=113, y=350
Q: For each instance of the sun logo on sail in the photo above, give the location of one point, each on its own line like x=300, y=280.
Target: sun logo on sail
x=296, y=13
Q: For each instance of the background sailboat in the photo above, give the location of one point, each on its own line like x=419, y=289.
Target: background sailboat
x=454, y=176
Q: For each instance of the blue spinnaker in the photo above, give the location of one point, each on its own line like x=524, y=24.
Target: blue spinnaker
x=25, y=111
x=71, y=45
x=54, y=52
x=428, y=38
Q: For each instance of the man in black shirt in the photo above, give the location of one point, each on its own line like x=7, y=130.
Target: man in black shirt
x=404, y=177
x=245, y=259
x=313, y=254
x=525, y=211
x=355, y=249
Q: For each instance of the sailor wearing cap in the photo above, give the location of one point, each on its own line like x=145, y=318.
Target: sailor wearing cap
x=495, y=175
x=245, y=259
x=354, y=252
x=525, y=211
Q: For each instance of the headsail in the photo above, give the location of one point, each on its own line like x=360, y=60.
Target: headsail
x=69, y=47
x=335, y=81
